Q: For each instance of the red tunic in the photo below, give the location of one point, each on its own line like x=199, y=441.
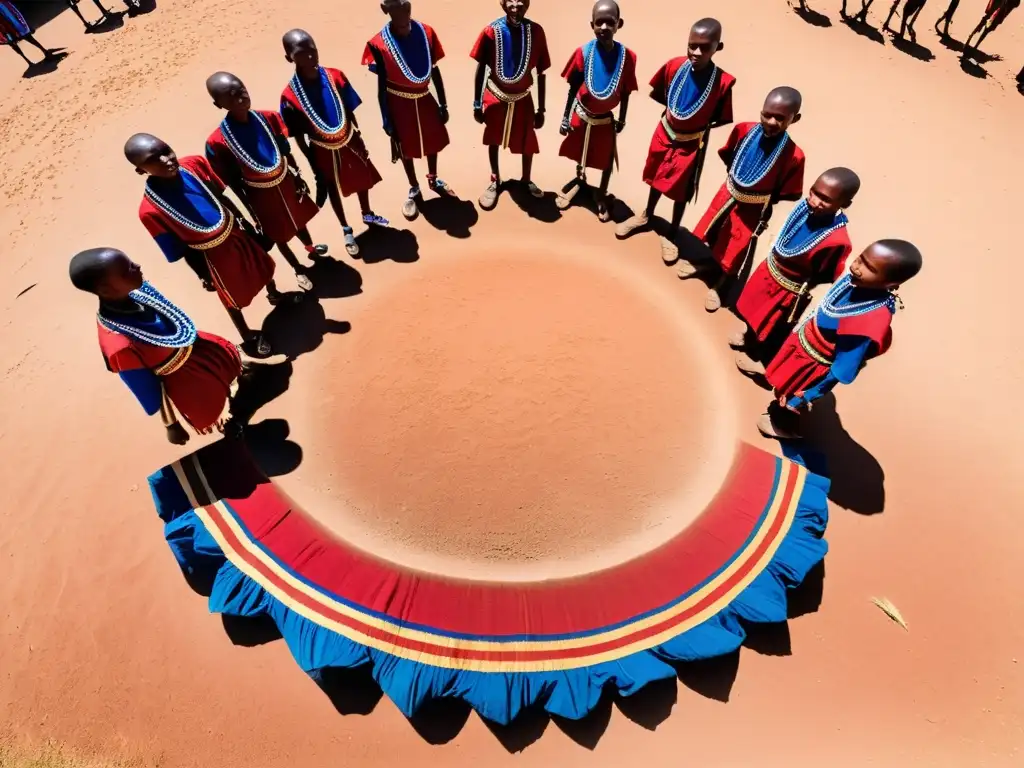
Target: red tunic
x=342, y=161
x=416, y=119
x=274, y=197
x=728, y=226
x=508, y=106
x=765, y=302
x=601, y=143
x=671, y=164
x=239, y=265
x=794, y=369
x=199, y=389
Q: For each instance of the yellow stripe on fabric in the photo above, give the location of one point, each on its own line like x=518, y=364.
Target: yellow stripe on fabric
x=582, y=643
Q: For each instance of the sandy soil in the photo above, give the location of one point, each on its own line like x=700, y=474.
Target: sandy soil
x=103, y=646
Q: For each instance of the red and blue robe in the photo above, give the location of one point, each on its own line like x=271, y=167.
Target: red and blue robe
x=762, y=171
x=850, y=326
x=251, y=155
x=693, y=100
x=13, y=26
x=607, y=76
x=185, y=212
x=808, y=252
x=415, y=119
x=159, y=354
x=323, y=113
x=511, y=53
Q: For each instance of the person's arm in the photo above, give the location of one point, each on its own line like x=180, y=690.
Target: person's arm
x=623, y=109
x=382, y=92
x=228, y=172
x=438, y=81
x=851, y=352
x=148, y=390
x=478, y=91
x=542, y=96
x=293, y=123
x=659, y=86
x=575, y=82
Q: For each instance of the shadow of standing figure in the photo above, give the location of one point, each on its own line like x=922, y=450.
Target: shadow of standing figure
x=295, y=329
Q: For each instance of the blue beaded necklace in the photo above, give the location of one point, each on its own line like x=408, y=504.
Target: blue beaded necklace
x=591, y=53
x=320, y=123
x=166, y=208
x=148, y=296
x=786, y=244
x=503, y=49
x=675, y=92
x=751, y=164
x=396, y=53
x=239, y=151
x=830, y=304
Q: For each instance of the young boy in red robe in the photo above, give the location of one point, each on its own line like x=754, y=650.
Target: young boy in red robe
x=850, y=326
x=601, y=75
x=185, y=210
x=249, y=151
x=697, y=95
x=507, y=52
x=318, y=106
x=404, y=55
x=811, y=249
x=765, y=166
x=155, y=347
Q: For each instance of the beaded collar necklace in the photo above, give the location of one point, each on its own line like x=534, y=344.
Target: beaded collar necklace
x=786, y=245
x=396, y=53
x=184, y=332
x=503, y=49
x=829, y=305
x=239, y=151
x=590, y=54
x=320, y=123
x=675, y=92
x=166, y=207
x=750, y=166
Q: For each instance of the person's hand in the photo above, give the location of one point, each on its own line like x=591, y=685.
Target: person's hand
x=478, y=115
x=321, y=191
x=301, y=187
x=209, y=286
x=176, y=434
x=443, y=112
x=564, y=128
x=784, y=402
x=538, y=120
x=619, y=126
x=249, y=228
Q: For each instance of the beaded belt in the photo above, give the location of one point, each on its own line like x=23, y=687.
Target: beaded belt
x=775, y=270
x=272, y=182
x=407, y=94
x=228, y=226
x=744, y=197
x=681, y=138
x=818, y=357
x=589, y=117
x=508, y=98
x=178, y=359
x=340, y=144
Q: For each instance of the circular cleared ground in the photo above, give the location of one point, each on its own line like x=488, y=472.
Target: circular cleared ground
x=515, y=417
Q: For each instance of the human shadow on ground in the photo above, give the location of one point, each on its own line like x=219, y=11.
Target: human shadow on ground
x=915, y=50
x=864, y=29
x=812, y=17
x=271, y=449
x=259, y=386
x=972, y=68
x=451, y=215
x=296, y=329
x=857, y=479
x=539, y=208
x=111, y=22
x=334, y=279
x=145, y=6
x=47, y=65
x=379, y=244
x=586, y=198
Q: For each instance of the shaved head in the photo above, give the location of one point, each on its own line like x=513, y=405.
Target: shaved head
x=843, y=180
x=89, y=268
x=220, y=83
x=607, y=5
x=708, y=27
x=787, y=98
x=141, y=146
x=900, y=260
x=294, y=38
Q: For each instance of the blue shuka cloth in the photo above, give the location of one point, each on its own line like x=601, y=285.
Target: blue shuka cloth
x=186, y=196
x=143, y=383
x=413, y=48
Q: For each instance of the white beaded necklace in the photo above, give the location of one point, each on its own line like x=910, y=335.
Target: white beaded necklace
x=148, y=296
x=239, y=151
x=741, y=171
x=320, y=123
x=797, y=218
x=396, y=54
x=526, y=32
x=613, y=83
x=164, y=206
x=675, y=91
x=829, y=306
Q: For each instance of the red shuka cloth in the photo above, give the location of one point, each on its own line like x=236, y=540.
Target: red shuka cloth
x=280, y=211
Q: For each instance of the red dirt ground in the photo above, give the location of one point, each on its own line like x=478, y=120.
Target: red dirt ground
x=102, y=645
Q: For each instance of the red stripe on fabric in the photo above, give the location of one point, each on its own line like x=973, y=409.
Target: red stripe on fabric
x=551, y=608
x=239, y=553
